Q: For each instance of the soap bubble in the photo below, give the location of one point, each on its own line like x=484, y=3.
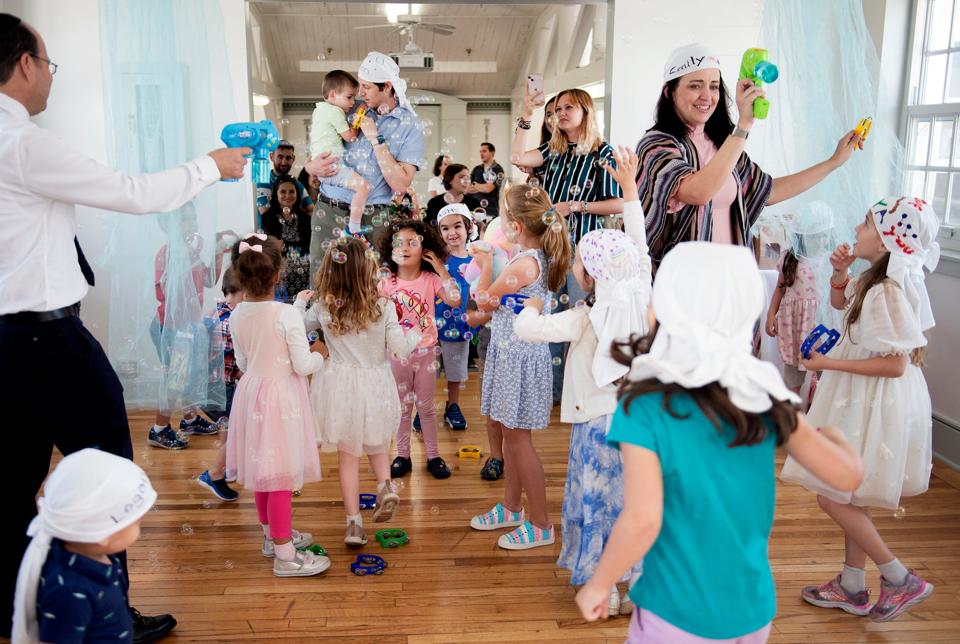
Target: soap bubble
x=580, y=304
x=511, y=281
x=574, y=190
x=549, y=217
x=339, y=257
x=484, y=203
x=556, y=227
x=564, y=299
x=531, y=194
x=186, y=529
x=228, y=564
x=900, y=512
x=435, y=510
x=534, y=183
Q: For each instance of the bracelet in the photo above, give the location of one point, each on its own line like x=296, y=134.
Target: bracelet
x=524, y=124
x=585, y=207
x=840, y=287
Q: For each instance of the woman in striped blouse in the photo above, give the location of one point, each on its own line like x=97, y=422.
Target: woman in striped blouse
x=695, y=180
x=572, y=162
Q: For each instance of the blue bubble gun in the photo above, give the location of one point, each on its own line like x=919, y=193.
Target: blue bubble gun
x=816, y=334
x=755, y=66
x=261, y=137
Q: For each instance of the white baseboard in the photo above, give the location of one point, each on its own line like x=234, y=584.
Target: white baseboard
x=946, y=440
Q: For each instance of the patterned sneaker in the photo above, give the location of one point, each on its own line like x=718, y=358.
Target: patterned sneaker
x=304, y=564
x=497, y=518
x=492, y=469
x=198, y=425
x=218, y=486
x=526, y=536
x=387, y=501
x=416, y=423
x=166, y=438
x=300, y=540
x=896, y=599
x=833, y=595
x=454, y=417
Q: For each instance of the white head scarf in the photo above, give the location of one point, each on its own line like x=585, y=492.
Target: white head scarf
x=908, y=227
x=707, y=298
x=461, y=210
x=613, y=260
x=380, y=68
x=90, y=496
x=688, y=59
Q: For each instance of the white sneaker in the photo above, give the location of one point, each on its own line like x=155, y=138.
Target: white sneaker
x=614, y=605
x=300, y=540
x=387, y=502
x=304, y=564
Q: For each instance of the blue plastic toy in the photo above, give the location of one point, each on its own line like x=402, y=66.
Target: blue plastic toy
x=368, y=565
x=517, y=298
x=261, y=137
x=368, y=501
x=832, y=337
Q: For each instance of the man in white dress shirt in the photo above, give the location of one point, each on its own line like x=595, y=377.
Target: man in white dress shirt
x=51, y=368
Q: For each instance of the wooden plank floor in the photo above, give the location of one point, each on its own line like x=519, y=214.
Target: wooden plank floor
x=200, y=559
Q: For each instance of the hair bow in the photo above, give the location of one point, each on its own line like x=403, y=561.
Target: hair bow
x=244, y=246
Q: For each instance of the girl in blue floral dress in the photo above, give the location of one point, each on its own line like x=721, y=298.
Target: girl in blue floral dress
x=614, y=268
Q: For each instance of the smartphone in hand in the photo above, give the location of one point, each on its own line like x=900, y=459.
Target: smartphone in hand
x=535, y=88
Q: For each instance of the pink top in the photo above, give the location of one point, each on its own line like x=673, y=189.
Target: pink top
x=416, y=302
x=721, y=232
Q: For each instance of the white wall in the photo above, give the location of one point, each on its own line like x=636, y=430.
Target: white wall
x=646, y=31
x=75, y=112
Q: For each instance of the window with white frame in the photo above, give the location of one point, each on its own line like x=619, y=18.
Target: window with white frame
x=932, y=163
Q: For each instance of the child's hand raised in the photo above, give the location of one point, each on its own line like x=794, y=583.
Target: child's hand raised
x=304, y=297
x=432, y=259
x=625, y=172
x=841, y=258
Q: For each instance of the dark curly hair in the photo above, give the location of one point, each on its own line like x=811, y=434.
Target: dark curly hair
x=712, y=399
x=429, y=240
x=257, y=271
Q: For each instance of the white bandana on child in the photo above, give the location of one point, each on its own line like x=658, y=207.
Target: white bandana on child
x=908, y=227
x=707, y=298
x=461, y=210
x=90, y=496
x=380, y=68
x=612, y=259
x=688, y=59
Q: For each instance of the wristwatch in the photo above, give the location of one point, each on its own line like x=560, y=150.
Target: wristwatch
x=737, y=131
x=380, y=139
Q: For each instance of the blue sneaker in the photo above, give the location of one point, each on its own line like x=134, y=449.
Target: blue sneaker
x=416, y=423
x=198, y=425
x=454, y=417
x=166, y=438
x=218, y=486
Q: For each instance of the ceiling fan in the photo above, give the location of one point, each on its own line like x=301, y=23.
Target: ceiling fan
x=408, y=23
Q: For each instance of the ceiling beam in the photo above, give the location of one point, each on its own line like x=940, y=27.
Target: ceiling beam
x=439, y=66
x=581, y=34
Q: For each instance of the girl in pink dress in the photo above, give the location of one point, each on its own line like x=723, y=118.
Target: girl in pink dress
x=271, y=444
x=792, y=314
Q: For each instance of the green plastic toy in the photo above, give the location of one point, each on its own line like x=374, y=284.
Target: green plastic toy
x=755, y=66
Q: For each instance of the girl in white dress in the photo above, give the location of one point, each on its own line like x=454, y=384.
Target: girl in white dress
x=354, y=397
x=873, y=390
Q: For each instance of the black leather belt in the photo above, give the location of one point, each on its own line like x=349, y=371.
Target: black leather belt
x=33, y=317
x=335, y=203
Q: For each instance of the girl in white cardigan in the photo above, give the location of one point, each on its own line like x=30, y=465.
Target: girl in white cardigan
x=615, y=268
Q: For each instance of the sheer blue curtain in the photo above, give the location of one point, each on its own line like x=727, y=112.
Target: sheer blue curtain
x=168, y=93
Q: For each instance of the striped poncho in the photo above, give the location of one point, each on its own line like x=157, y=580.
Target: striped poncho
x=664, y=161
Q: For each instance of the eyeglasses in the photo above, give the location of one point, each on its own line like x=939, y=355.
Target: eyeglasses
x=52, y=65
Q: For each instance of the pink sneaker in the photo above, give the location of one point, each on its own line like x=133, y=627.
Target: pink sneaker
x=896, y=599
x=833, y=595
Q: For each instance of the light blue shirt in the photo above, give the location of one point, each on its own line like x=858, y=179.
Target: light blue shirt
x=404, y=136
x=708, y=572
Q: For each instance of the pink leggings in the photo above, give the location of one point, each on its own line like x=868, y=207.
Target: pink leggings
x=647, y=628
x=416, y=377
x=275, y=509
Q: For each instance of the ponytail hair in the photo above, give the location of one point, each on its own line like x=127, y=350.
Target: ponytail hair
x=531, y=207
x=256, y=271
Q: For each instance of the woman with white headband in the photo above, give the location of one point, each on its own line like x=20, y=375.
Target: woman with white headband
x=695, y=180
x=698, y=424
x=71, y=586
x=873, y=388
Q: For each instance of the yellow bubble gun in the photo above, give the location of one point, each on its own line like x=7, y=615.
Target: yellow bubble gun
x=358, y=117
x=755, y=66
x=863, y=129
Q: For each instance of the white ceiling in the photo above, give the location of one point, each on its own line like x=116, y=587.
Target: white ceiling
x=296, y=31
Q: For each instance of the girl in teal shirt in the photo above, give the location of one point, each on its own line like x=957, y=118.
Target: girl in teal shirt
x=698, y=423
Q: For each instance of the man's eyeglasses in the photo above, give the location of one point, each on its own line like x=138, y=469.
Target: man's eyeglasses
x=52, y=65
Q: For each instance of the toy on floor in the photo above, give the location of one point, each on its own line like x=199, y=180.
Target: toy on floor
x=832, y=337
x=316, y=549
x=392, y=538
x=368, y=501
x=368, y=565
x=469, y=451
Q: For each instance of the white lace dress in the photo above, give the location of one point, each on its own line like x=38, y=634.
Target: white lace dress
x=887, y=419
x=354, y=396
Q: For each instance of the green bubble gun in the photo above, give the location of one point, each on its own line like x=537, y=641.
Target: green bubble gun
x=757, y=68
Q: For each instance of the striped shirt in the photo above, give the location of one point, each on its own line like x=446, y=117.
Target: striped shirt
x=664, y=162
x=579, y=177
